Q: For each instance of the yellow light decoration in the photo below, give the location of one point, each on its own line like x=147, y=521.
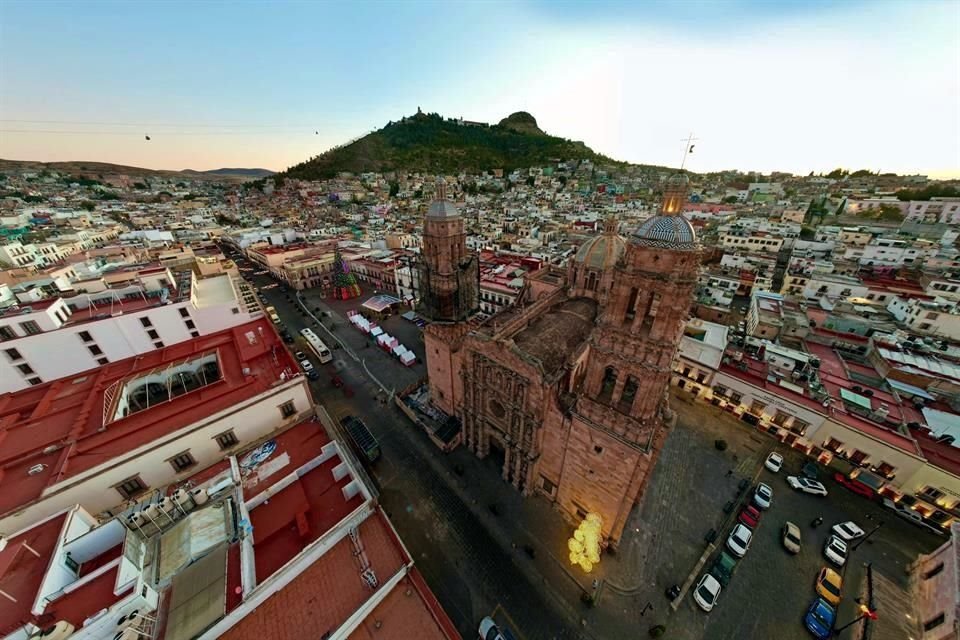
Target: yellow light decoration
x=584, y=546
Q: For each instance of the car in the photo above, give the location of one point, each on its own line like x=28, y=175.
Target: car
x=910, y=515
x=791, y=537
x=835, y=550
x=810, y=471
x=806, y=485
x=707, y=592
x=749, y=516
x=306, y=365
x=287, y=338
x=300, y=356
x=847, y=531
x=763, y=496
x=489, y=630
x=739, y=540
x=828, y=585
x=723, y=567
x=774, y=462
x=819, y=619
x=855, y=486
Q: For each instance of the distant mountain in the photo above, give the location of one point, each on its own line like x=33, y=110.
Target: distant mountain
x=252, y=174
x=105, y=170
x=430, y=143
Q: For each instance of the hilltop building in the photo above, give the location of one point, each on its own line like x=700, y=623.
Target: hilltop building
x=567, y=387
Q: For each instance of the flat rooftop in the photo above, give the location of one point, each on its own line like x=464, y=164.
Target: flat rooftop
x=63, y=427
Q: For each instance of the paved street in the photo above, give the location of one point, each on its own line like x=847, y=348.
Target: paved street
x=467, y=528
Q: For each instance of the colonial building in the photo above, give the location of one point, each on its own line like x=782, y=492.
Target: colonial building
x=567, y=387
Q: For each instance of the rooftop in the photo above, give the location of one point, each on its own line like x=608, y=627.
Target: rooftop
x=53, y=431
x=554, y=335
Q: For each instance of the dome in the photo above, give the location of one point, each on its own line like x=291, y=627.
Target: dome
x=678, y=180
x=668, y=232
x=442, y=209
x=602, y=251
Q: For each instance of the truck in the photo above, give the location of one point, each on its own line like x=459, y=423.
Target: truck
x=360, y=437
x=272, y=312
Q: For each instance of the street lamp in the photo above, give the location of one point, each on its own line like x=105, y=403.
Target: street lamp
x=864, y=538
x=865, y=612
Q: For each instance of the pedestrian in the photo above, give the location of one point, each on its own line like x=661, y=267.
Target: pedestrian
x=729, y=472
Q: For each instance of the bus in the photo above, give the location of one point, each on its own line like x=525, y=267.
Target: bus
x=317, y=346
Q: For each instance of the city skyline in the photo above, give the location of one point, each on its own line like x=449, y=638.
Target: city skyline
x=765, y=86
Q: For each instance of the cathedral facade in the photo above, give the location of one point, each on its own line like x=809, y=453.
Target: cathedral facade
x=567, y=389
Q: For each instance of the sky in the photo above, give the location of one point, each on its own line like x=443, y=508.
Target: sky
x=763, y=86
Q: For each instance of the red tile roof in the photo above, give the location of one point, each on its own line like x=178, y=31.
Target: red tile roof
x=61, y=426
x=410, y=610
x=22, y=570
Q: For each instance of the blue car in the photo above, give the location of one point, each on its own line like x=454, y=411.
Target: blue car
x=820, y=618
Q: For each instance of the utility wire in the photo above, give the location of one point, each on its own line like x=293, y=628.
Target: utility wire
x=158, y=124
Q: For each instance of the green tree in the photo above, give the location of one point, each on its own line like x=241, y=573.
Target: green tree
x=88, y=205
x=530, y=181
x=394, y=189
x=838, y=174
x=730, y=199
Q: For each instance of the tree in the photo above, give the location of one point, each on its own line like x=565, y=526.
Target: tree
x=394, y=189
x=838, y=174
x=344, y=283
x=807, y=233
x=730, y=199
x=530, y=181
x=88, y=205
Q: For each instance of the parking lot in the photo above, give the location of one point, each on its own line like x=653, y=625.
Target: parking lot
x=771, y=589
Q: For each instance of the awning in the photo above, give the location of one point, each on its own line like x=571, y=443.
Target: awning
x=855, y=398
x=409, y=315
x=909, y=388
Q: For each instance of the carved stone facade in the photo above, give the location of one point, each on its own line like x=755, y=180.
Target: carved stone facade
x=568, y=388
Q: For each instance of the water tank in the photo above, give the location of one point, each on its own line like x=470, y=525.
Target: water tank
x=62, y=629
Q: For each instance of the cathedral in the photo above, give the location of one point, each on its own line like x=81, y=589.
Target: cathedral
x=567, y=389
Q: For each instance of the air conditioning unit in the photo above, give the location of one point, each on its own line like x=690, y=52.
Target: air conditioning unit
x=35, y=469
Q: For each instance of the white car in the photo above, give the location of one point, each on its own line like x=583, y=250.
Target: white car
x=806, y=485
x=707, y=592
x=774, y=462
x=763, y=496
x=306, y=365
x=489, y=630
x=847, y=531
x=739, y=540
x=835, y=550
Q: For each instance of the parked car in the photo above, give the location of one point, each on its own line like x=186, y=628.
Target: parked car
x=300, y=356
x=810, y=471
x=763, y=496
x=306, y=365
x=723, y=567
x=707, y=592
x=774, y=462
x=835, y=551
x=910, y=515
x=739, y=540
x=806, y=485
x=853, y=485
x=828, y=585
x=791, y=537
x=489, y=630
x=363, y=441
x=287, y=338
x=847, y=530
x=820, y=618
x=749, y=516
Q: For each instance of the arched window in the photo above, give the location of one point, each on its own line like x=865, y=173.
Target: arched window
x=609, y=382
x=629, y=394
x=591, y=281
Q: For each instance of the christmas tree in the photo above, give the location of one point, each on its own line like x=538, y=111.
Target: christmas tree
x=344, y=283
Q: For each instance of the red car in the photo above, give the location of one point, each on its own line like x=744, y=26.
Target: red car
x=857, y=487
x=750, y=516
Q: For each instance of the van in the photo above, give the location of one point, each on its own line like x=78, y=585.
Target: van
x=723, y=567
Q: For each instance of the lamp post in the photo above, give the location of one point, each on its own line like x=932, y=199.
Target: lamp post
x=865, y=612
x=864, y=538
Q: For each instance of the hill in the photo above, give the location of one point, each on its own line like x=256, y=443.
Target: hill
x=105, y=170
x=428, y=142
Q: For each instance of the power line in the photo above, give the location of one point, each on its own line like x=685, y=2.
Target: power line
x=157, y=124
x=158, y=133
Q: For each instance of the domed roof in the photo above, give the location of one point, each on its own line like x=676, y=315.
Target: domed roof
x=442, y=209
x=678, y=180
x=668, y=232
x=601, y=251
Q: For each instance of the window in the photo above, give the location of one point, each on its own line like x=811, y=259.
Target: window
x=931, y=316
x=194, y=334
x=780, y=418
x=598, y=449
x=182, y=461
x=885, y=469
x=158, y=344
x=30, y=327
x=35, y=381
x=25, y=369
x=85, y=336
x=833, y=445
x=184, y=313
x=190, y=324
x=628, y=395
x=131, y=487
x=632, y=305
x=547, y=486
x=937, y=569
x=13, y=354
x=95, y=350
x=145, y=321
x=932, y=493
x=933, y=623
x=608, y=383
x=735, y=397
x=102, y=361
x=226, y=439
x=234, y=311
x=287, y=409
x=153, y=334
x=757, y=407
x=799, y=426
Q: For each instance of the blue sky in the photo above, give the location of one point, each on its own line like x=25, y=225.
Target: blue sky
x=796, y=86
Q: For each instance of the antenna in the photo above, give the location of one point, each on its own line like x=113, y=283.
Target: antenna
x=687, y=149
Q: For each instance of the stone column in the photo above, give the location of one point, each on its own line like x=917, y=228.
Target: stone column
x=505, y=473
x=517, y=460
